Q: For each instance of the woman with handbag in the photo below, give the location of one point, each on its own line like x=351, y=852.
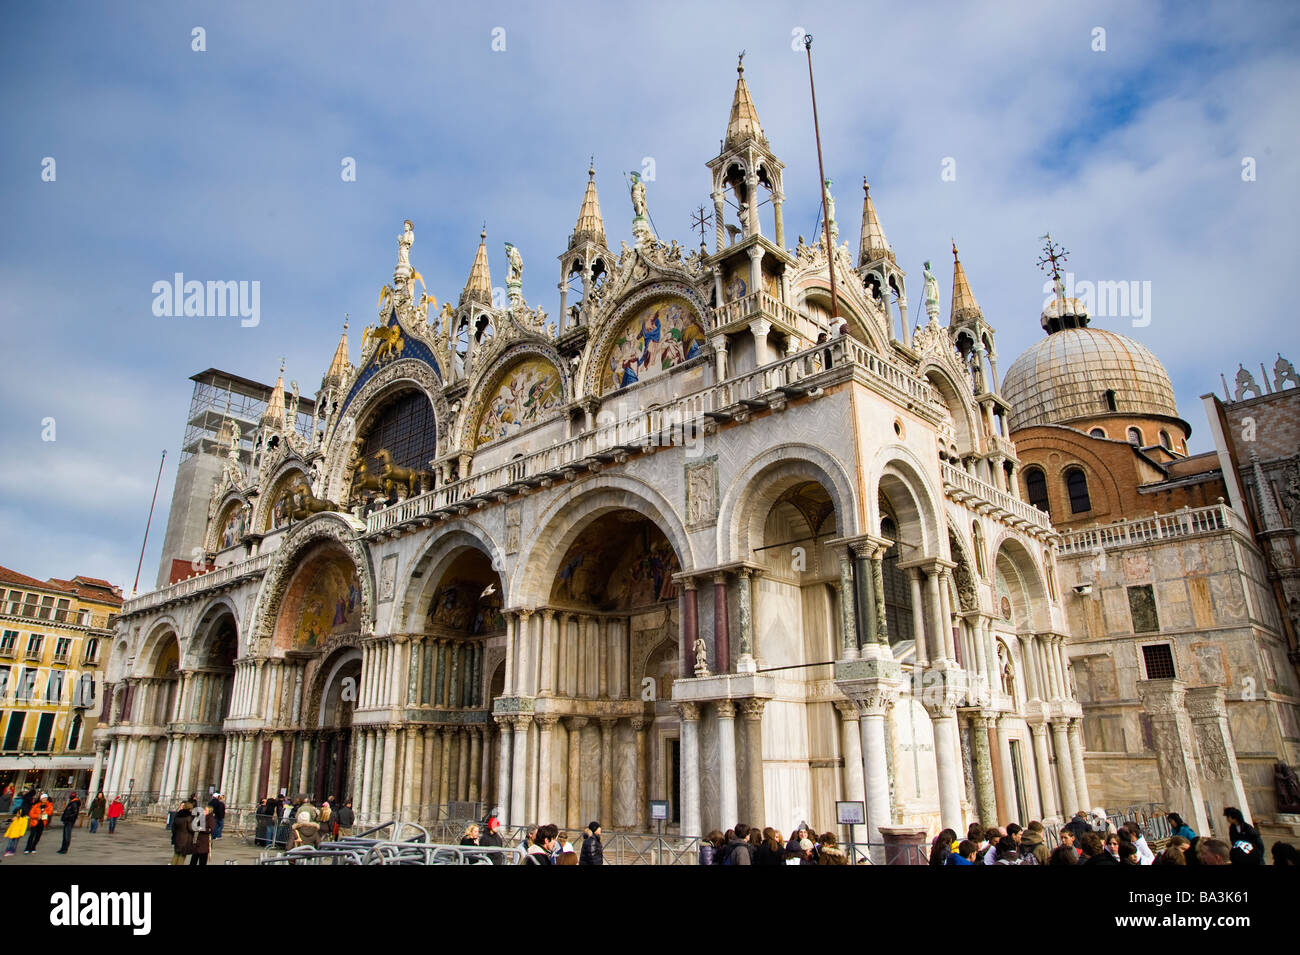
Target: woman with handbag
x=182, y=834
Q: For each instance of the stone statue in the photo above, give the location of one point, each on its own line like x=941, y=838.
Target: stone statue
x=701, y=657
x=638, y=195
x=931, y=293
x=1284, y=371
x=1287, y=785
x=516, y=273
x=404, y=243
x=1245, y=384
x=830, y=210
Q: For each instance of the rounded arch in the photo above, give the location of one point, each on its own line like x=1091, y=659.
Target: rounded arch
x=569, y=514
x=326, y=688
x=290, y=471
x=228, y=530
x=1019, y=580
x=207, y=633
x=526, y=385
x=323, y=528
x=814, y=293
x=599, y=352
x=156, y=643
x=960, y=408
x=900, y=479
x=752, y=492
x=420, y=577
x=393, y=378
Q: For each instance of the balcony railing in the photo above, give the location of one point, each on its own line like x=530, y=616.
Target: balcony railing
x=757, y=305
x=201, y=582
x=8, y=652
x=34, y=653
x=1188, y=522
x=961, y=486
x=671, y=423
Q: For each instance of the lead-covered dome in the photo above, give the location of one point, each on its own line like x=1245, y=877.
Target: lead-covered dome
x=1086, y=372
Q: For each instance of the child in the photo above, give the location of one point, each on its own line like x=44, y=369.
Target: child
x=17, y=829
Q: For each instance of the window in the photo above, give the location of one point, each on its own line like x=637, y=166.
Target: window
x=1097, y=433
x=61, y=611
x=9, y=643
x=1159, y=660
x=15, y=601
x=1076, y=485
x=34, y=645
x=1036, y=488
x=1110, y=400
x=1142, y=608
x=26, y=684
x=1135, y=437
x=92, y=650
x=1166, y=441
x=14, y=731
x=61, y=649
x=47, y=608
x=74, y=735
x=406, y=429
x=54, y=686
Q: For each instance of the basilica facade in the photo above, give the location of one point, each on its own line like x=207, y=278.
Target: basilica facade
x=705, y=537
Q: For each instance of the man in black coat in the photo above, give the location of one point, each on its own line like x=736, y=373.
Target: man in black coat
x=347, y=818
x=1245, y=840
x=218, y=814
x=69, y=819
x=1078, y=825
x=593, y=851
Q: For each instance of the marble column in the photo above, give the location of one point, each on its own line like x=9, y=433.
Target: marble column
x=690, y=629
x=463, y=768
x=1207, y=710
x=1074, y=735
x=547, y=683
x=640, y=730
x=602, y=657
x=545, y=724
x=728, y=774
x=721, y=636
x=506, y=752
x=873, y=705
x=852, y=784
x=607, y=727
x=448, y=736
x=428, y=772
x=984, y=790
x=1032, y=691
x=745, y=610
x=475, y=763
x=752, y=711
x=936, y=615
x=387, y=798
x=943, y=717
x=945, y=600
x=1000, y=725
x=918, y=617
x=848, y=610
x=690, y=769
x=1065, y=769
x=573, y=788
x=881, y=628
x=411, y=773
x=367, y=801
x=524, y=685
x=519, y=802
x=1046, y=792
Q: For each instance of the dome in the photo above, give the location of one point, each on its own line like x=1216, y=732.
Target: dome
x=1066, y=376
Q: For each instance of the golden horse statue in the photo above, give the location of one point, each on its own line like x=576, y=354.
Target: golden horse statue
x=363, y=480
x=394, y=476
x=303, y=504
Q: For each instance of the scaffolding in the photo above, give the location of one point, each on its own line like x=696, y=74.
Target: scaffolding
x=220, y=397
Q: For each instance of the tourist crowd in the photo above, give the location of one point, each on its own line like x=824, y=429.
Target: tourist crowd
x=1079, y=842
x=32, y=811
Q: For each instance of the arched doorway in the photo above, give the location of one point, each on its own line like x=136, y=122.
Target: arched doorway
x=334, y=726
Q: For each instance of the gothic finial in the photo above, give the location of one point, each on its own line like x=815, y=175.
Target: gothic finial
x=1052, y=257
x=345, y=321
x=740, y=63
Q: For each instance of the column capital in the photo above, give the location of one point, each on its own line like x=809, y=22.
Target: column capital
x=640, y=723
x=522, y=720
x=576, y=722
x=545, y=721
x=688, y=711
x=726, y=709
x=502, y=719
x=548, y=614
x=752, y=708
x=848, y=710
x=607, y=723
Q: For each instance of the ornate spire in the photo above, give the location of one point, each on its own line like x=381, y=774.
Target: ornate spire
x=590, y=226
x=274, y=414
x=873, y=244
x=964, y=306
x=340, y=362
x=743, y=123
x=479, y=286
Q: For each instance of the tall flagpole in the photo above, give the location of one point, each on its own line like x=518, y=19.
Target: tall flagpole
x=136, y=585
x=821, y=183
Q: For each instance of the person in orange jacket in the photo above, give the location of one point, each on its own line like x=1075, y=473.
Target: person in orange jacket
x=38, y=818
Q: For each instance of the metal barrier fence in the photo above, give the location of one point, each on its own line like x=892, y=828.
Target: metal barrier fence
x=1151, y=819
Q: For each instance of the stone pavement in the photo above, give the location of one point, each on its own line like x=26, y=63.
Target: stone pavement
x=138, y=842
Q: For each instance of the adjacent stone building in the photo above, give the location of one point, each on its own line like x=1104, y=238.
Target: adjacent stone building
x=1179, y=654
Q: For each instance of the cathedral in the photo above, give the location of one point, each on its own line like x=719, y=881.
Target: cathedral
x=711, y=538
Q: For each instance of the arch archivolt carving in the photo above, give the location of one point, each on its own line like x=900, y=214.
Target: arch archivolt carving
x=747, y=499
x=266, y=501
x=413, y=596
x=323, y=528
x=485, y=383
x=899, y=463
x=397, y=376
x=594, y=360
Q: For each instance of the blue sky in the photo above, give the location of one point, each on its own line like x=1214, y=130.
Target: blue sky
x=225, y=164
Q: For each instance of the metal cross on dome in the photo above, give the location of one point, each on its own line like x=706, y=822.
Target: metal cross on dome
x=1050, y=261
x=701, y=219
